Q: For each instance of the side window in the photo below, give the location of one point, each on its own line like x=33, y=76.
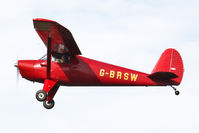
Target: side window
x=58, y=58
x=61, y=59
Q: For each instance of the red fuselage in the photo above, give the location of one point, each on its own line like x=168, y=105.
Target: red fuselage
x=81, y=71
x=64, y=66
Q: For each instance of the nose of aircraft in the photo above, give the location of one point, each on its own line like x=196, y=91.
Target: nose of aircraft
x=26, y=68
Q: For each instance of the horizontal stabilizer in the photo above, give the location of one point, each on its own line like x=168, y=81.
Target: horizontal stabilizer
x=162, y=76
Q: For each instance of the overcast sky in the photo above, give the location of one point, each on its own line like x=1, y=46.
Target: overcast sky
x=129, y=33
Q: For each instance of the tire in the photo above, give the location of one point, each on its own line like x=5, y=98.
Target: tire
x=177, y=92
x=48, y=104
x=41, y=95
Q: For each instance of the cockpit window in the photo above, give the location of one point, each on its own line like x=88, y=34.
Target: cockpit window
x=58, y=58
x=62, y=59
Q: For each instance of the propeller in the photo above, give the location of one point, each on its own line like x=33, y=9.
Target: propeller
x=16, y=65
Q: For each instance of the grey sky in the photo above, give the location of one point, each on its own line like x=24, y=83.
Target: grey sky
x=129, y=33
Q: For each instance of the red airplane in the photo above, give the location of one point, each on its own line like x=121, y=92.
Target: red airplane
x=63, y=66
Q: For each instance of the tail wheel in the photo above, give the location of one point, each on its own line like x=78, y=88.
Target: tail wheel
x=48, y=104
x=177, y=92
x=41, y=95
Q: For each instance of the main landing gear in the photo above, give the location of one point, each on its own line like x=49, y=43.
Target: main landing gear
x=176, y=91
x=41, y=96
x=47, y=94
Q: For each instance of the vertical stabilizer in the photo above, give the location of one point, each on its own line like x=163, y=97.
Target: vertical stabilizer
x=169, y=68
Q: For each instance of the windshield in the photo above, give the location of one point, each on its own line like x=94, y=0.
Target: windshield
x=44, y=57
x=59, y=59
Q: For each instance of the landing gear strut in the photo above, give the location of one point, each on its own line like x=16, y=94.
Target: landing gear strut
x=176, y=91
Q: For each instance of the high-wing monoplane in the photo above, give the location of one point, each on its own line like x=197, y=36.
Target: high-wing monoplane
x=64, y=66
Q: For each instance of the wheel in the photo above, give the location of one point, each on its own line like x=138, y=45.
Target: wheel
x=48, y=104
x=177, y=92
x=41, y=95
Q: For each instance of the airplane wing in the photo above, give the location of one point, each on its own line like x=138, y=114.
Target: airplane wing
x=62, y=39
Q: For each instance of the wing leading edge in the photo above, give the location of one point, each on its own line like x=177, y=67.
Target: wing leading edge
x=62, y=39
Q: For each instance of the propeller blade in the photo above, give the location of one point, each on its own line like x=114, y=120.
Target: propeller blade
x=17, y=79
x=17, y=75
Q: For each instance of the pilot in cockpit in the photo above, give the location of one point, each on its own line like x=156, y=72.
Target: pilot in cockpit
x=58, y=58
x=62, y=59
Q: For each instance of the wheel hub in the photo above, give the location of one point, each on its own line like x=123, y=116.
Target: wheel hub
x=41, y=95
x=48, y=103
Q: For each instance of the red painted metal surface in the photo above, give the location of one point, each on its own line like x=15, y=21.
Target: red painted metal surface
x=62, y=39
x=170, y=61
x=51, y=88
x=48, y=84
x=81, y=71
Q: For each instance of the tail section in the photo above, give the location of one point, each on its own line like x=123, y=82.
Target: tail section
x=169, y=68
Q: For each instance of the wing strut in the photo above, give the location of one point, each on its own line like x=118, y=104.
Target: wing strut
x=49, y=48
